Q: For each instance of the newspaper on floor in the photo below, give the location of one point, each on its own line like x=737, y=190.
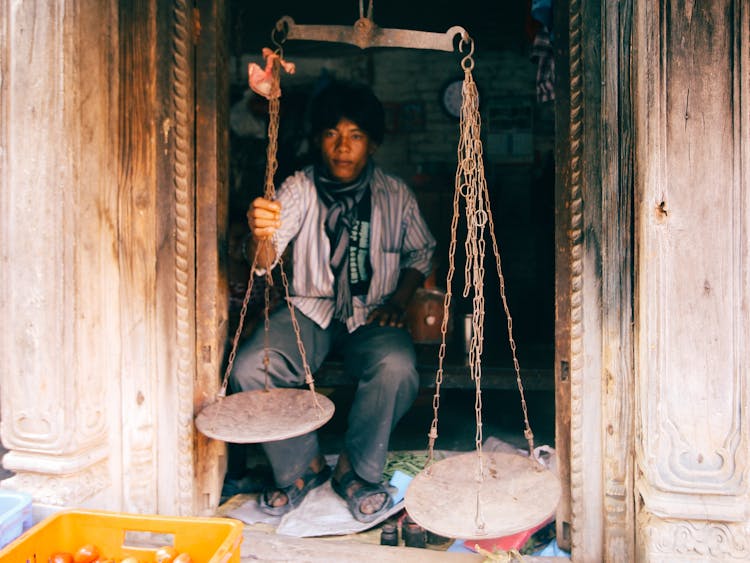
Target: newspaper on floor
x=322, y=513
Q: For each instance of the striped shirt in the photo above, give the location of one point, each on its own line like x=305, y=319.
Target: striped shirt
x=399, y=238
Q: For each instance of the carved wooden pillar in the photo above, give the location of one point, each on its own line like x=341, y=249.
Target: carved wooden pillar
x=594, y=375
x=98, y=254
x=59, y=345
x=693, y=281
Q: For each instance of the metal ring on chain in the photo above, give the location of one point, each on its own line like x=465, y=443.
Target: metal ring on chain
x=480, y=218
x=469, y=167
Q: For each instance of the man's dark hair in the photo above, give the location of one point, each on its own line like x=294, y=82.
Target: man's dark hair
x=355, y=102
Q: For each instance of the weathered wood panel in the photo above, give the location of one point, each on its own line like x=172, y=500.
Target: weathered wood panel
x=562, y=270
x=594, y=365
x=57, y=214
x=618, y=392
x=97, y=211
x=176, y=257
x=157, y=256
x=137, y=136
x=585, y=230
x=692, y=285
x=212, y=200
x=578, y=274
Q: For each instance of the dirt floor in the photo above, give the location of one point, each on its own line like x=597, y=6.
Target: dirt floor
x=502, y=420
x=263, y=547
x=261, y=543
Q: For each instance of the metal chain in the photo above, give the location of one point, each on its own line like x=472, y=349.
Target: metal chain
x=471, y=185
x=308, y=374
x=270, y=193
x=528, y=434
x=243, y=311
x=433, y=434
x=266, y=329
x=461, y=189
x=362, y=9
x=273, y=141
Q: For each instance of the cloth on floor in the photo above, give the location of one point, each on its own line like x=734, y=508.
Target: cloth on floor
x=544, y=454
x=250, y=513
x=552, y=550
x=324, y=513
x=493, y=444
x=321, y=513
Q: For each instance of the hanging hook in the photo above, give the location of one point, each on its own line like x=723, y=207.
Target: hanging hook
x=467, y=63
x=279, y=34
x=465, y=40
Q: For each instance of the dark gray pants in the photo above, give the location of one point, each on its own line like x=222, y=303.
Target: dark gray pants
x=380, y=359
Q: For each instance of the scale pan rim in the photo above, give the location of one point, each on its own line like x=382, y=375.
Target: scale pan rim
x=443, y=498
x=258, y=416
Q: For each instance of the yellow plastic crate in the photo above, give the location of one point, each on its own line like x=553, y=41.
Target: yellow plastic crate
x=118, y=535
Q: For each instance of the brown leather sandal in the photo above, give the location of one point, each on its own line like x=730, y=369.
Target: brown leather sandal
x=294, y=494
x=361, y=490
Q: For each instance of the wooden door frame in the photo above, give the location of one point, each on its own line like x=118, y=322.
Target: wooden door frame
x=594, y=368
x=211, y=224
x=594, y=267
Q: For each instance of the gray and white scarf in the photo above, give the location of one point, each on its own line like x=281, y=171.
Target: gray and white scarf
x=341, y=200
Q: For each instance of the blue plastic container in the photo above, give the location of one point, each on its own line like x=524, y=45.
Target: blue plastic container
x=15, y=515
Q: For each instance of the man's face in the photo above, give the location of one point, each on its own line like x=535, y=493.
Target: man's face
x=345, y=150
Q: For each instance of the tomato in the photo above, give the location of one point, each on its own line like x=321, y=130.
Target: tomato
x=182, y=558
x=61, y=557
x=166, y=554
x=86, y=554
